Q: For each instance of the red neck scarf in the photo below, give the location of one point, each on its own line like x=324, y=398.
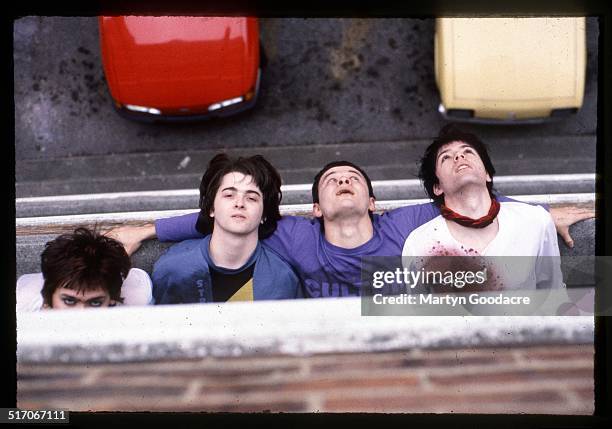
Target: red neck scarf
x=468, y=221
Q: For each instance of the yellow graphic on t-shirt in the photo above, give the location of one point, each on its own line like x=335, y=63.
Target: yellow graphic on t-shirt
x=245, y=293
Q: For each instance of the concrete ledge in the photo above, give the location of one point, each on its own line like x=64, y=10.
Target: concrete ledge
x=64, y=223
x=29, y=247
x=288, y=327
x=292, y=194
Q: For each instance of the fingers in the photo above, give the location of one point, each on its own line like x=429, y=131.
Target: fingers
x=566, y=216
x=583, y=214
x=121, y=235
x=111, y=234
x=132, y=236
x=565, y=235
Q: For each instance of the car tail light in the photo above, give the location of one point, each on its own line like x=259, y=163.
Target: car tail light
x=249, y=95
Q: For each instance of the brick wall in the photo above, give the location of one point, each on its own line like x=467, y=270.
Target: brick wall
x=553, y=379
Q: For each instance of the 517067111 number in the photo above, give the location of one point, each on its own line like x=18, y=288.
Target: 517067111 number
x=13, y=415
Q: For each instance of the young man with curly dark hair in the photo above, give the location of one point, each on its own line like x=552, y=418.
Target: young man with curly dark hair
x=239, y=202
x=457, y=174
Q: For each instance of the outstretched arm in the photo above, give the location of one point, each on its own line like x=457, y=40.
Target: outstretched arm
x=132, y=236
x=566, y=216
x=175, y=228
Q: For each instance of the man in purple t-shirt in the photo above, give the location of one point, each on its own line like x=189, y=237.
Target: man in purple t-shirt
x=326, y=251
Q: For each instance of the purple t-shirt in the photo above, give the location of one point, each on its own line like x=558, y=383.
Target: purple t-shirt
x=325, y=270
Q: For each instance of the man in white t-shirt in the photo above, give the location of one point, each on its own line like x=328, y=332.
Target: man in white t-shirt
x=457, y=173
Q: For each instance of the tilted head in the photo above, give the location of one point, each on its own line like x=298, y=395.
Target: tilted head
x=83, y=269
x=341, y=188
x=240, y=194
x=453, y=158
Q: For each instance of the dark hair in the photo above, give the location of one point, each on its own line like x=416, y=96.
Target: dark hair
x=448, y=134
x=84, y=260
x=265, y=177
x=317, y=179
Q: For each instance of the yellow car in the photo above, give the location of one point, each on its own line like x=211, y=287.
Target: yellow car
x=505, y=70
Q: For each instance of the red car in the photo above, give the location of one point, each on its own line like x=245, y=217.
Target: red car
x=180, y=68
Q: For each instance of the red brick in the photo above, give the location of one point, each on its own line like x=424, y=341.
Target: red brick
x=586, y=352
x=518, y=375
x=232, y=404
x=345, y=382
x=413, y=362
x=94, y=392
x=419, y=359
x=344, y=363
x=49, y=377
x=46, y=369
x=245, y=407
x=430, y=362
x=222, y=367
x=351, y=383
x=310, y=384
x=586, y=393
x=58, y=384
x=210, y=373
x=426, y=401
x=144, y=382
x=465, y=352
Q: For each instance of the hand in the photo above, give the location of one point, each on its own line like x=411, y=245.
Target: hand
x=569, y=215
x=132, y=236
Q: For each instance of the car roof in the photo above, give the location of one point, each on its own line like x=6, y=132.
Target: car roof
x=511, y=64
x=179, y=62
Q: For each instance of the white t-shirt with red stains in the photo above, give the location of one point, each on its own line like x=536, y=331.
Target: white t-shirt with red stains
x=524, y=230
